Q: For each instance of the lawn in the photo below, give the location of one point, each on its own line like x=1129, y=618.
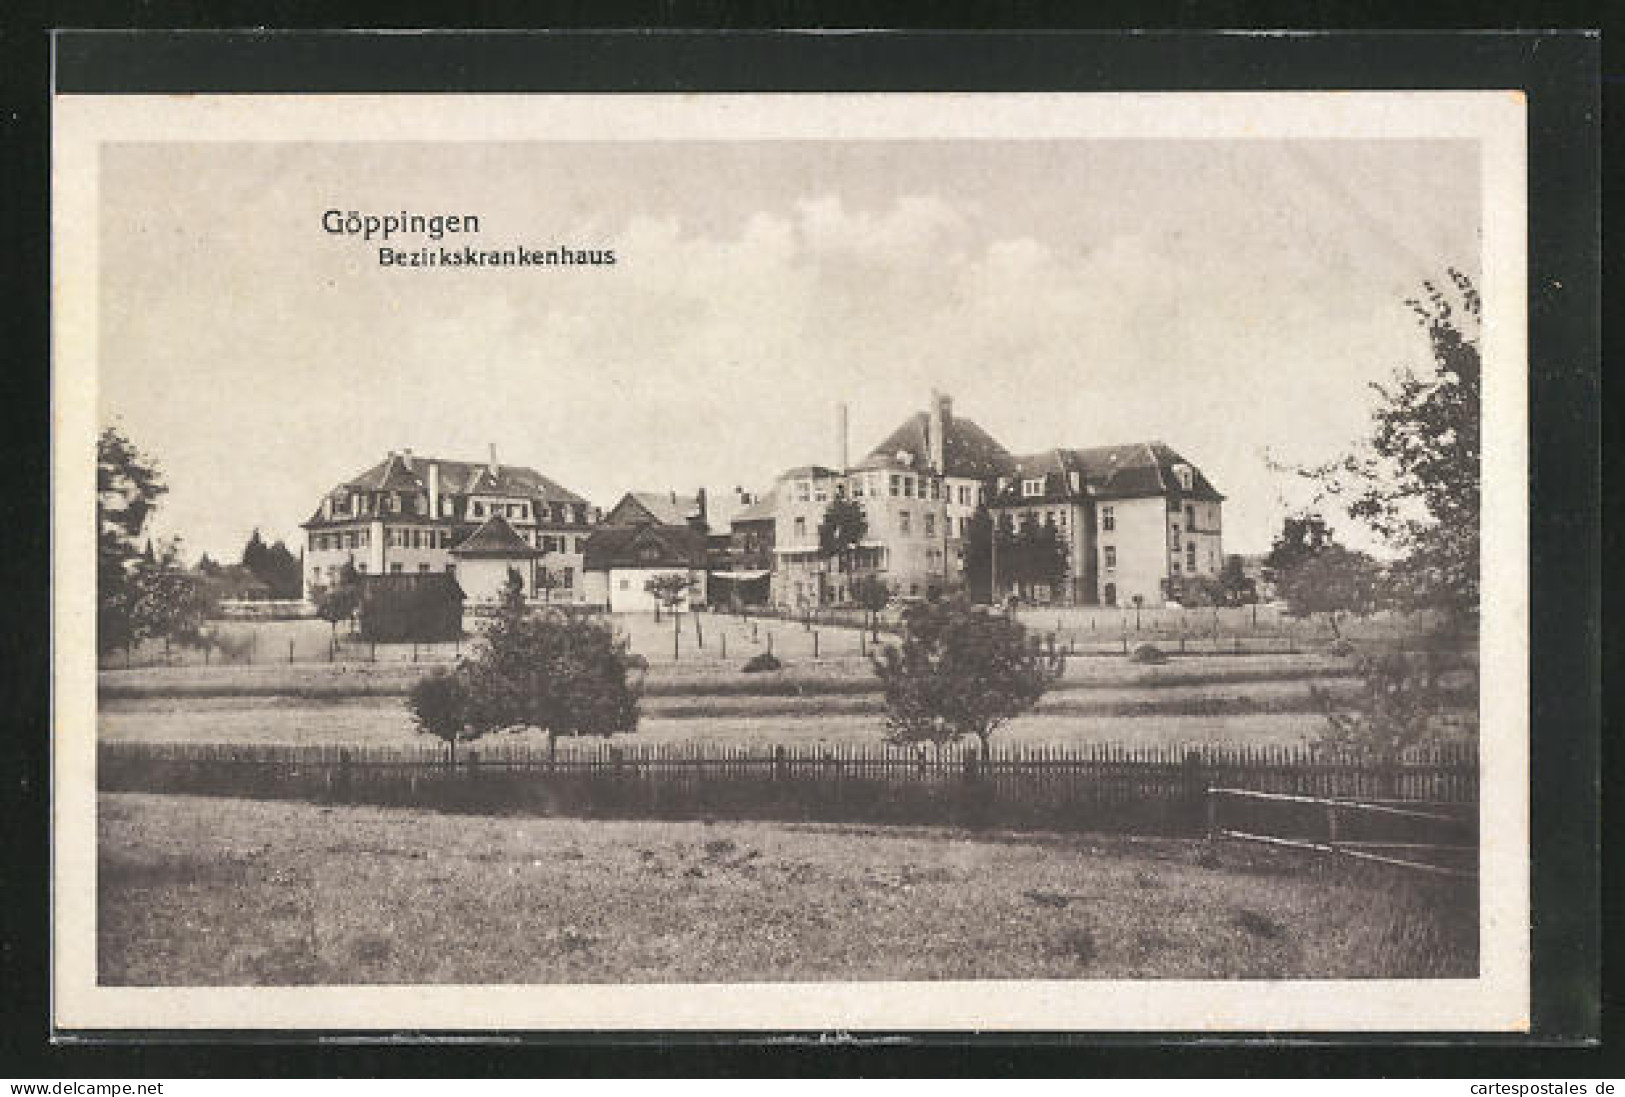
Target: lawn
x=200, y=891
x=380, y=721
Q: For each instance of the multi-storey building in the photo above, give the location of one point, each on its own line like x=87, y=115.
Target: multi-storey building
x=408, y=514
x=919, y=490
x=1137, y=521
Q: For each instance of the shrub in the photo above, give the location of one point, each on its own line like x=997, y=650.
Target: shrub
x=440, y=707
x=1150, y=654
x=1342, y=648
x=763, y=662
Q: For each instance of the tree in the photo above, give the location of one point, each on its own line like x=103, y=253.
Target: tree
x=340, y=601
x=979, y=556
x=960, y=671
x=1395, y=708
x=128, y=488
x=561, y=674
x=669, y=590
x=1416, y=480
x=170, y=603
x=1301, y=537
x=441, y=706
x=842, y=530
x=1236, y=587
x=874, y=595
x=1335, y=582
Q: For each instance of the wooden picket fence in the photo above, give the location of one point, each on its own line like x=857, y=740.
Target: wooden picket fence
x=1152, y=790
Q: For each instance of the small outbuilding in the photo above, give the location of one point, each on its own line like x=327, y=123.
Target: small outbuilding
x=620, y=562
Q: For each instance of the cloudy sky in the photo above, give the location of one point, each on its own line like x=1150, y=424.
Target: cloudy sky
x=1222, y=297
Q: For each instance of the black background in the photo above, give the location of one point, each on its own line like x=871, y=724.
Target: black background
x=1559, y=72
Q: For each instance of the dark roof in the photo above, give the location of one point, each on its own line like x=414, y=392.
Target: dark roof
x=1130, y=471
x=494, y=538
x=646, y=546
x=1139, y=469
x=665, y=507
x=459, y=478
x=968, y=450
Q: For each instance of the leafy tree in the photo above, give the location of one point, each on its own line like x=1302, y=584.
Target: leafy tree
x=552, y=671
x=1416, y=480
x=669, y=590
x=170, y=603
x=340, y=601
x=442, y=706
x=1236, y=587
x=960, y=671
x=128, y=488
x=979, y=555
x=1334, y=582
x=874, y=595
x=842, y=530
x=1400, y=695
x=1301, y=537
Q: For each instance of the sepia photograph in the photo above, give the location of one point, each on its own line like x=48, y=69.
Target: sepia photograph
x=733, y=561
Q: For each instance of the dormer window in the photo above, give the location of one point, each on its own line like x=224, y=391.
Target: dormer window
x=1183, y=474
x=1033, y=488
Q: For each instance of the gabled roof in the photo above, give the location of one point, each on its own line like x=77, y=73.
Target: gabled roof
x=459, y=478
x=645, y=546
x=1138, y=469
x=968, y=450
x=764, y=509
x=495, y=537
x=664, y=507
x=808, y=472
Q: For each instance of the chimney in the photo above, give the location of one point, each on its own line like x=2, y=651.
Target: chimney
x=434, y=490
x=841, y=437
x=942, y=411
x=406, y=459
x=493, y=467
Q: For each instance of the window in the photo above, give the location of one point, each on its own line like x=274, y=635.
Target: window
x=423, y=567
x=395, y=568
x=1190, y=555
x=451, y=569
x=896, y=485
x=908, y=487
x=1108, y=518
x=567, y=577
x=1032, y=489
x=479, y=510
x=581, y=544
x=903, y=522
x=362, y=568
x=1183, y=473
x=1109, y=555
x=1176, y=567
x=1190, y=516
x=930, y=524
x=857, y=488
x=934, y=487
x=801, y=527
x=981, y=493
x=626, y=584
x=803, y=491
x=820, y=493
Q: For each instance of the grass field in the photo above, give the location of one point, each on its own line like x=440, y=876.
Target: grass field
x=197, y=891
x=381, y=721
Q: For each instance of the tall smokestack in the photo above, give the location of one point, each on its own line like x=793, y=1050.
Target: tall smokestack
x=434, y=490
x=942, y=411
x=492, y=467
x=841, y=437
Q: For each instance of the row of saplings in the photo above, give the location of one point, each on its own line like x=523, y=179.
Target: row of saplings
x=958, y=672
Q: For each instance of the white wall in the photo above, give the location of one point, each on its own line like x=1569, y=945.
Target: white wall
x=1141, y=541
x=626, y=591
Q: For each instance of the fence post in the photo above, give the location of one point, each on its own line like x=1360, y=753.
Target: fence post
x=290, y=651
x=344, y=773
x=815, y=643
x=780, y=769
x=725, y=644
x=414, y=651
x=1197, y=797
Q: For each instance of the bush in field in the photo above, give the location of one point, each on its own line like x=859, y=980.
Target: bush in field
x=1395, y=709
x=1342, y=648
x=960, y=671
x=562, y=674
x=441, y=706
x=1149, y=654
x=764, y=662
